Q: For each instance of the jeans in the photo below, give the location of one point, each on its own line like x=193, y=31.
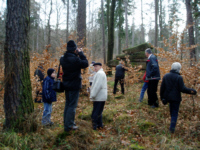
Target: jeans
x=46, y=118
x=121, y=81
x=174, y=108
x=144, y=88
x=152, y=95
x=97, y=115
x=70, y=109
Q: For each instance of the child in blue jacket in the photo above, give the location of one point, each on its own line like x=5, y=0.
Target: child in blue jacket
x=48, y=96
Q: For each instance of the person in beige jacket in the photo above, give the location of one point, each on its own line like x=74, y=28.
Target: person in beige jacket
x=98, y=95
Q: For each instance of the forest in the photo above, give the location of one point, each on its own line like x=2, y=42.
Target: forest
x=35, y=33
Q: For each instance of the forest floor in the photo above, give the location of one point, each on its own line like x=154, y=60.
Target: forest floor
x=128, y=125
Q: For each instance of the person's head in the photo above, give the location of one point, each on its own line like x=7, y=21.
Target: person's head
x=93, y=62
x=148, y=52
x=176, y=67
x=51, y=72
x=97, y=66
x=71, y=46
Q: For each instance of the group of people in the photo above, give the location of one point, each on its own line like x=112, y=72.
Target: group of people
x=74, y=60
x=171, y=87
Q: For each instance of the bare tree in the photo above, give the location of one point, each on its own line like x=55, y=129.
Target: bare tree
x=126, y=20
x=81, y=23
x=111, y=31
x=103, y=32
x=142, y=26
x=67, y=32
x=191, y=28
x=156, y=24
x=48, y=24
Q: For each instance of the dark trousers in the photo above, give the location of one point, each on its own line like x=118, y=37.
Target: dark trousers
x=174, y=108
x=152, y=95
x=121, y=81
x=97, y=115
x=70, y=109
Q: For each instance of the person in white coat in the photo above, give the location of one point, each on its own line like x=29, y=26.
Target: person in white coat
x=98, y=95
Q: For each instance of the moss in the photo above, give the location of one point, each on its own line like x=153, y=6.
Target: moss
x=137, y=48
x=123, y=117
x=144, y=125
x=136, y=147
x=85, y=114
x=119, y=97
x=113, y=63
x=111, y=83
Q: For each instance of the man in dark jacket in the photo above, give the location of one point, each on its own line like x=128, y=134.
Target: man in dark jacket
x=72, y=62
x=119, y=77
x=170, y=91
x=153, y=75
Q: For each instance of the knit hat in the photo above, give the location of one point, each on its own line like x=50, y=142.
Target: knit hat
x=71, y=46
x=50, y=71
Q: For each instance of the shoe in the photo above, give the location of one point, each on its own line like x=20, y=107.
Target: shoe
x=75, y=128
x=153, y=106
x=140, y=100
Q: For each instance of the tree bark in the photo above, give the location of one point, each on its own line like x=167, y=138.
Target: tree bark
x=156, y=24
x=160, y=20
x=133, y=34
x=49, y=26
x=191, y=28
x=111, y=32
x=67, y=32
x=103, y=32
x=142, y=26
x=120, y=26
x=126, y=20
x=17, y=97
x=81, y=23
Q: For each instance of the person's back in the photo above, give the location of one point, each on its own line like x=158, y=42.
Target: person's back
x=170, y=92
x=120, y=71
x=172, y=86
x=71, y=66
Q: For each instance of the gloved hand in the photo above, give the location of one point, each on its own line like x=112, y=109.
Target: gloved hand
x=193, y=92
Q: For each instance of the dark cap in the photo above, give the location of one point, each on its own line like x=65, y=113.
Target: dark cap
x=97, y=64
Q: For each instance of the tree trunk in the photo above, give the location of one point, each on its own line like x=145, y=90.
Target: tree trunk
x=49, y=26
x=196, y=29
x=81, y=23
x=160, y=20
x=191, y=28
x=133, y=34
x=111, y=32
x=156, y=24
x=126, y=20
x=67, y=32
x=120, y=26
x=142, y=26
x=108, y=14
x=103, y=33
x=17, y=97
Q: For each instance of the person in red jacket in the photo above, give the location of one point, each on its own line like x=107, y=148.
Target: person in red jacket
x=144, y=87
